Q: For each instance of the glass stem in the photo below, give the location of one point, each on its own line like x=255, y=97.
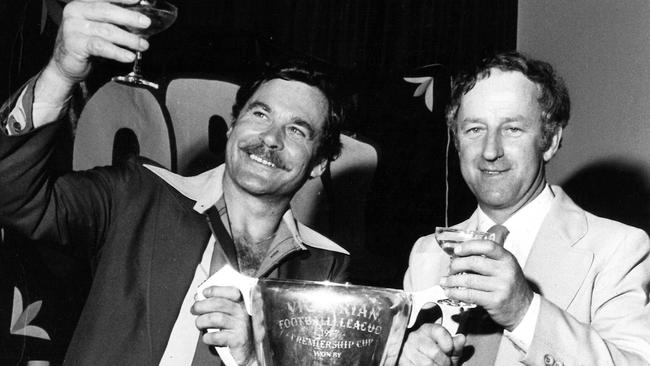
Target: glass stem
x=136, y=64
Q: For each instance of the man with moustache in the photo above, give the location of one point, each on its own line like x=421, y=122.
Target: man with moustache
x=567, y=287
x=144, y=228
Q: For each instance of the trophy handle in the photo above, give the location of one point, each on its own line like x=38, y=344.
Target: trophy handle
x=433, y=295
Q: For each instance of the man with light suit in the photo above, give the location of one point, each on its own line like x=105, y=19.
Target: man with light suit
x=567, y=287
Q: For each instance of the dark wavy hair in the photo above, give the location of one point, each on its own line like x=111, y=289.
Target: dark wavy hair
x=329, y=146
x=554, y=96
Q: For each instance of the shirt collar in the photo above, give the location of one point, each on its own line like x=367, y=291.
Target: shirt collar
x=206, y=189
x=528, y=218
x=523, y=225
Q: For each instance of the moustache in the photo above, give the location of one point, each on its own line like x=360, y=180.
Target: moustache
x=259, y=149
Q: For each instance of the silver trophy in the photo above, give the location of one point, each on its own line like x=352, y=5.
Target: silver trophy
x=307, y=323
x=323, y=323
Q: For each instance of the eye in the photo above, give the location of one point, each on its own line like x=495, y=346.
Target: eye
x=513, y=131
x=473, y=130
x=259, y=114
x=296, y=132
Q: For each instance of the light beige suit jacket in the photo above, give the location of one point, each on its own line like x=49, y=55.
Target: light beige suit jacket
x=593, y=275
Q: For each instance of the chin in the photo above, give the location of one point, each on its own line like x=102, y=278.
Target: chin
x=493, y=199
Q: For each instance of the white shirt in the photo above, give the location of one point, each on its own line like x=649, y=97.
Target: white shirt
x=523, y=226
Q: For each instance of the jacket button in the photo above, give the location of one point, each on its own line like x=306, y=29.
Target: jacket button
x=549, y=360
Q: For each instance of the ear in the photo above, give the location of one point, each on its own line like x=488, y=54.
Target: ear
x=554, y=145
x=318, y=169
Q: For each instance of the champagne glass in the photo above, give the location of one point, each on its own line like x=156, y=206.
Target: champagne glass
x=162, y=15
x=448, y=239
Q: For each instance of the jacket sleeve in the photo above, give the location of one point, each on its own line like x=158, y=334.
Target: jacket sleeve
x=41, y=203
x=619, y=331
x=8, y=122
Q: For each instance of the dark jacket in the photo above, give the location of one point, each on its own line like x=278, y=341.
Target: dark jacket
x=142, y=236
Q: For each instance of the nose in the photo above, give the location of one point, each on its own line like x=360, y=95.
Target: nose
x=492, y=146
x=272, y=137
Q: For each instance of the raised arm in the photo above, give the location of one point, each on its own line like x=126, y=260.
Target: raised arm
x=33, y=199
x=88, y=28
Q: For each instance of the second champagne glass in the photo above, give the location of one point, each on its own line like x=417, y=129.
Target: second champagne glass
x=162, y=15
x=448, y=239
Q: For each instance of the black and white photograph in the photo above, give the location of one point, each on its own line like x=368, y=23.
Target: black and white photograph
x=325, y=183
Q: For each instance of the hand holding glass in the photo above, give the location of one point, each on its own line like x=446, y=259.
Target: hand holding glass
x=162, y=15
x=448, y=239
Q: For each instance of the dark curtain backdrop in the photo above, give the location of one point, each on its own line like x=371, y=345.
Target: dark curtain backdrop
x=370, y=37
x=370, y=44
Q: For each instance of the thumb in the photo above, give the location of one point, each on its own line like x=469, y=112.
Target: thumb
x=459, y=344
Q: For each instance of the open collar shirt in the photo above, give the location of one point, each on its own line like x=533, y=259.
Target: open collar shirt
x=206, y=190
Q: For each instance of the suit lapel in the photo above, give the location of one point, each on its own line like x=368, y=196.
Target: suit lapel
x=178, y=249
x=554, y=265
x=555, y=268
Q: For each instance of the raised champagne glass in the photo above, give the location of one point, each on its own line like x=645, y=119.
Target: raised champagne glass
x=448, y=239
x=162, y=15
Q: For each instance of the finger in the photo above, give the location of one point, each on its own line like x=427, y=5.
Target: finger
x=469, y=295
x=105, y=12
x=432, y=342
x=485, y=248
x=411, y=355
x=471, y=281
x=213, y=320
x=459, y=345
x=220, y=320
x=231, y=332
x=119, y=36
x=225, y=337
x=79, y=30
x=95, y=46
x=220, y=304
x=220, y=338
x=227, y=292
x=475, y=264
x=441, y=337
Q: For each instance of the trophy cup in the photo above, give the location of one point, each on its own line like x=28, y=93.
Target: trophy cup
x=309, y=323
x=328, y=324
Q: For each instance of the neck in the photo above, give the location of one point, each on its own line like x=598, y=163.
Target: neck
x=252, y=218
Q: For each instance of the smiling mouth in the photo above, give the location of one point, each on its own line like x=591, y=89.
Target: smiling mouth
x=261, y=160
x=492, y=172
